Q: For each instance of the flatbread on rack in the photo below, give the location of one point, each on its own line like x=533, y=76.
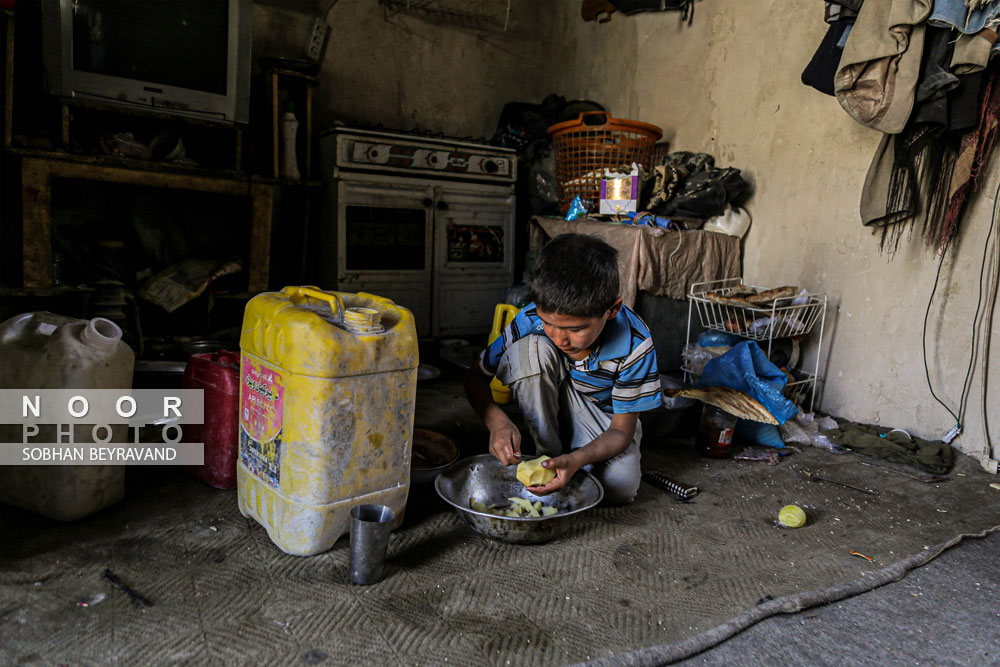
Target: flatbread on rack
x=767, y=296
x=741, y=290
x=723, y=300
x=733, y=401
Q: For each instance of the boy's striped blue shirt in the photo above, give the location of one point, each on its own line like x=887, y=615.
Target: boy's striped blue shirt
x=620, y=375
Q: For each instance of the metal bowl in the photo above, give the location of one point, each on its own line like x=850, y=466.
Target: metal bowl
x=194, y=347
x=427, y=372
x=484, y=479
x=432, y=453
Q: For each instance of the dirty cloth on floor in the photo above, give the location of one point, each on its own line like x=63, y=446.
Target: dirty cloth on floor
x=933, y=456
x=650, y=574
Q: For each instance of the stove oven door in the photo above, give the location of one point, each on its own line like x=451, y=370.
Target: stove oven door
x=473, y=255
x=384, y=241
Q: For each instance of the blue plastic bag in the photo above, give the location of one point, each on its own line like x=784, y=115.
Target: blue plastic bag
x=577, y=207
x=648, y=219
x=759, y=433
x=745, y=367
x=713, y=338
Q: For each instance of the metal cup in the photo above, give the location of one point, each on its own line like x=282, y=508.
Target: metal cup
x=370, y=526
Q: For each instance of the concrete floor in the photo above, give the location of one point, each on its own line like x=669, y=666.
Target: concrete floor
x=944, y=613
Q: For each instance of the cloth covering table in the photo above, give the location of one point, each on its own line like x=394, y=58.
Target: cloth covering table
x=658, y=261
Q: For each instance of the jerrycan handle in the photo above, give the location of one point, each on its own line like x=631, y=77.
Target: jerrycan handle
x=502, y=315
x=301, y=293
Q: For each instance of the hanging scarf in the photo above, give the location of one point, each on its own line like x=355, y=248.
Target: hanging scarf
x=908, y=182
x=973, y=155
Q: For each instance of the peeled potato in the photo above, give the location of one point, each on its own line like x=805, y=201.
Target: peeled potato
x=531, y=473
x=518, y=508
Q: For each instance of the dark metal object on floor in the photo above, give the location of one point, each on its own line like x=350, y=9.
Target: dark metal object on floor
x=138, y=599
x=433, y=452
x=920, y=477
x=661, y=481
x=427, y=372
x=194, y=347
x=813, y=477
x=460, y=353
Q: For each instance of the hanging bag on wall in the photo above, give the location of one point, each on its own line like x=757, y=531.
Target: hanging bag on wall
x=636, y=6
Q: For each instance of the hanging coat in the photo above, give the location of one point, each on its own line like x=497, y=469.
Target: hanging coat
x=878, y=72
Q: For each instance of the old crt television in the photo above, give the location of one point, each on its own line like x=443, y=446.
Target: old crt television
x=184, y=57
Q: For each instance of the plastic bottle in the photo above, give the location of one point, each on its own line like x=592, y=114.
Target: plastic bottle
x=42, y=350
x=715, y=433
x=289, y=134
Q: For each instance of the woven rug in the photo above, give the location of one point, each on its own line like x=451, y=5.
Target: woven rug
x=659, y=577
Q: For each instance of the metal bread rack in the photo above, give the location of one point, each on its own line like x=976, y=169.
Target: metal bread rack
x=786, y=317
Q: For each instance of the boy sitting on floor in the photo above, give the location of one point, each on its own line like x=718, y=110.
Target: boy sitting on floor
x=581, y=367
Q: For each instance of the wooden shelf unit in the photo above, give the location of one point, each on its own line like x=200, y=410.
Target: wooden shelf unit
x=228, y=137
x=43, y=157
x=39, y=169
x=274, y=88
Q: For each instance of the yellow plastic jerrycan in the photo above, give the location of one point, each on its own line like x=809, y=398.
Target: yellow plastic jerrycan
x=502, y=316
x=328, y=384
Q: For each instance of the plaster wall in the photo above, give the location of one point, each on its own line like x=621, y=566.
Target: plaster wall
x=729, y=85
x=404, y=72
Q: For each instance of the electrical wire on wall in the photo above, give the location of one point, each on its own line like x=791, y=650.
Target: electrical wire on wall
x=986, y=324
x=329, y=6
x=991, y=301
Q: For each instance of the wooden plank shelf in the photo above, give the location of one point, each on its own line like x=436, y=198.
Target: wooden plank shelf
x=135, y=164
x=38, y=172
x=151, y=113
x=41, y=292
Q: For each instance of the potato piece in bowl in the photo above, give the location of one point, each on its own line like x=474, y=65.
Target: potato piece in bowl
x=518, y=508
x=525, y=505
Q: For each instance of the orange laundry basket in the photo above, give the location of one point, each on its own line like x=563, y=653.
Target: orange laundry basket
x=595, y=140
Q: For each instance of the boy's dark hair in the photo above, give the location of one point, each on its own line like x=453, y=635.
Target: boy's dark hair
x=577, y=275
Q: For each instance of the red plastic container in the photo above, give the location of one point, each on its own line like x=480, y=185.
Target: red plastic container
x=218, y=373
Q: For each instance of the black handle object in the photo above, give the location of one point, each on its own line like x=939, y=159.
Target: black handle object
x=442, y=206
x=427, y=202
x=138, y=599
x=661, y=481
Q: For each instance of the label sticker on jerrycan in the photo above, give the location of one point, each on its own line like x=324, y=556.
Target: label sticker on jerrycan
x=261, y=402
